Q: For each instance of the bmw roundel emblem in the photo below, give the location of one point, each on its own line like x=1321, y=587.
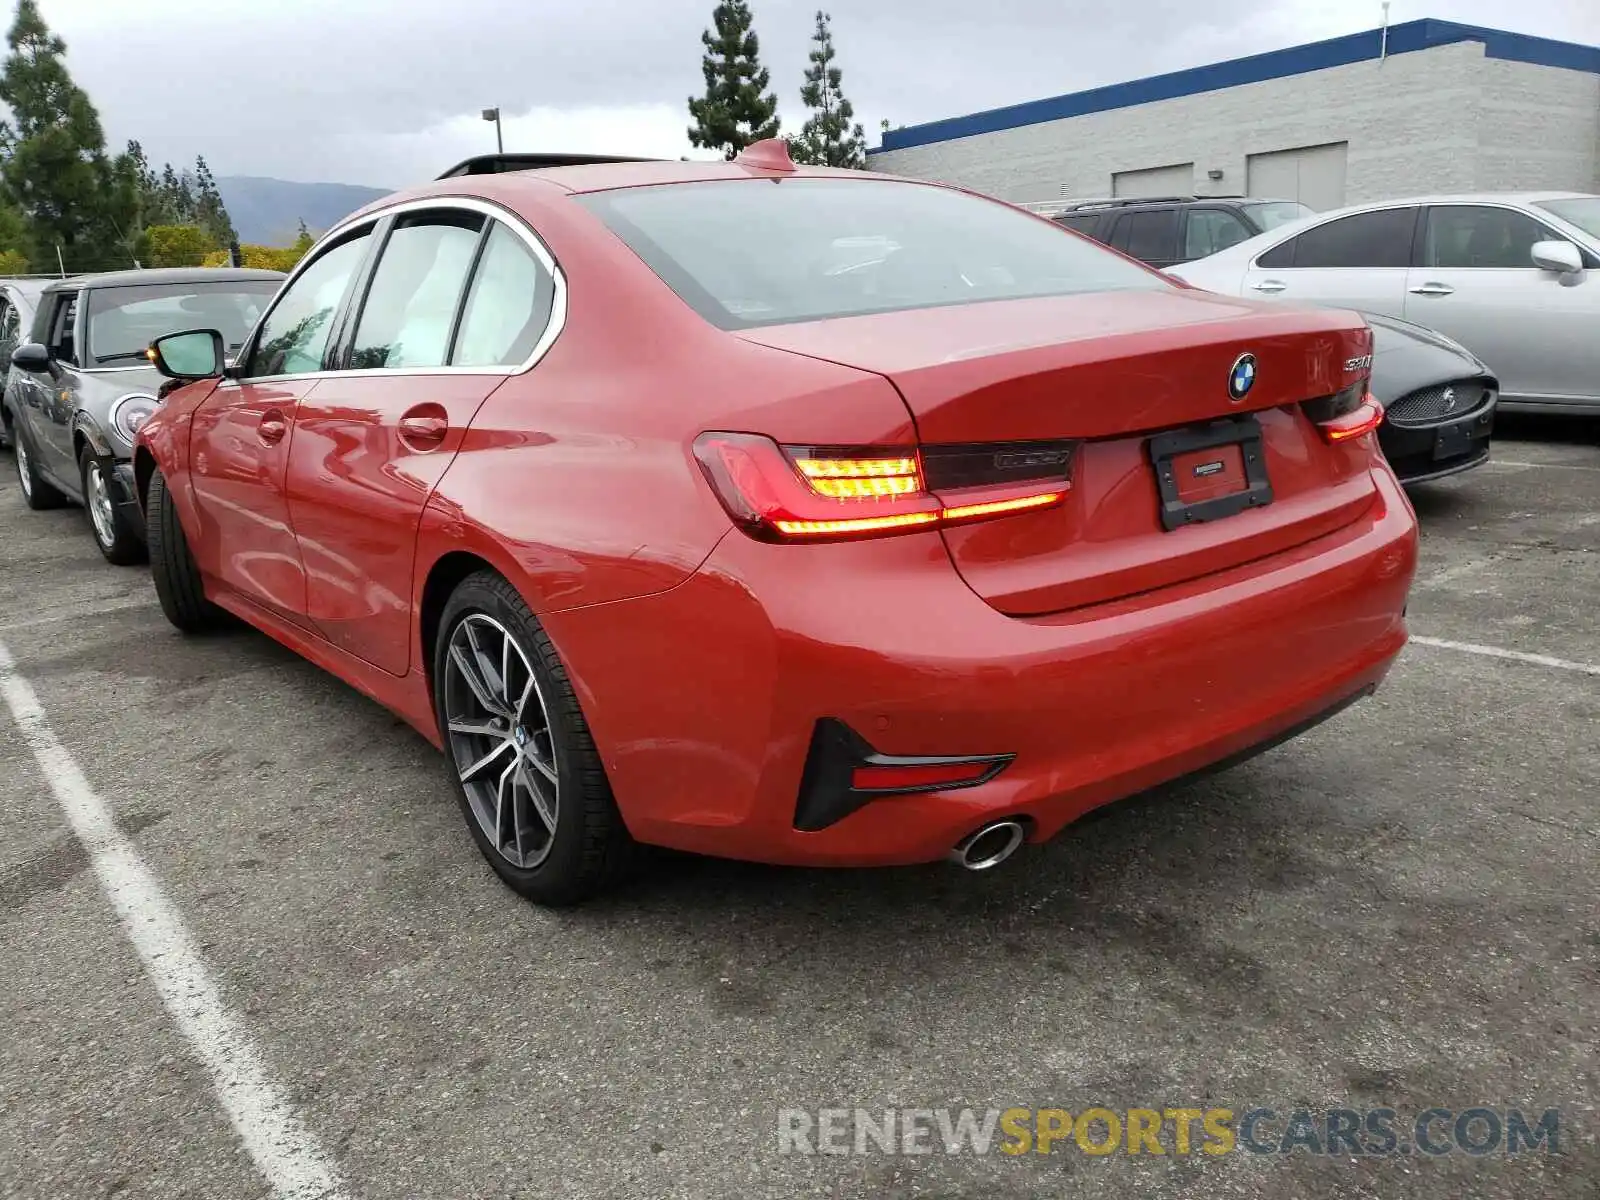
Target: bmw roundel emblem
x=1243, y=376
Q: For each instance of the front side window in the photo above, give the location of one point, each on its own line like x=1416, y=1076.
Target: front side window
x=411, y=305
x=509, y=306
x=63, y=329
x=745, y=253
x=294, y=337
x=1478, y=235
x=1212, y=229
x=1369, y=239
x=123, y=321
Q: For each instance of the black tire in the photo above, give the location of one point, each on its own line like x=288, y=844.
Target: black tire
x=172, y=566
x=590, y=849
x=36, y=493
x=125, y=547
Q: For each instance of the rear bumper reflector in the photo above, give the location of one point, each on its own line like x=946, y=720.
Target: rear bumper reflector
x=843, y=772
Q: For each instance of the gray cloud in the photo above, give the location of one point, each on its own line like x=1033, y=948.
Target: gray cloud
x=387, y=91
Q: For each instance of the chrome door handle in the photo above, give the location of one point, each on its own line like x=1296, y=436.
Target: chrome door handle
x=1433, y=289
x=1270, y=285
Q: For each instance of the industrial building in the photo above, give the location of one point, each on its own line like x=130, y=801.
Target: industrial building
x=1425, y=106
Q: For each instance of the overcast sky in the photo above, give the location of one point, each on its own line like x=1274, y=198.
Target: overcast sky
x=387, y=92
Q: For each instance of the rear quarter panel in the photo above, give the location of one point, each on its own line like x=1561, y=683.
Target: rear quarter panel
x=577, y=478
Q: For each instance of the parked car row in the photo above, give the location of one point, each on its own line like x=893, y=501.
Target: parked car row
x=1477, y=303
x=837, y=520
x=81, y=384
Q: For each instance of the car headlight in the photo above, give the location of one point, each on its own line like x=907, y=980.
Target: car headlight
x=131, y=412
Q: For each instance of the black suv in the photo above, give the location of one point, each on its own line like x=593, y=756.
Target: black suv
x=1163, y=231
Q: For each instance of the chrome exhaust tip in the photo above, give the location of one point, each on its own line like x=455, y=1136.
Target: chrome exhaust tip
x=989, y=846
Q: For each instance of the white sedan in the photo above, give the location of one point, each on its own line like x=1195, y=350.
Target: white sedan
x=1513, y=278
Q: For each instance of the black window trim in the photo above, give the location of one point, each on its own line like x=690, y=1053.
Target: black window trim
x=369, y=222
x=1420, y=247
x=1416, y=224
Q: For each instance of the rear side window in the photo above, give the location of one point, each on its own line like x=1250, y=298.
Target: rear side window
x=754, y=252
x=1148, y=236
x=509, y=306
x=415, y=291
x=1371, y=239
x=1212, y=229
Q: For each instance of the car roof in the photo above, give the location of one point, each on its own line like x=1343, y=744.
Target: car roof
x=29, y=288
x=592, y=176
x=157, y=276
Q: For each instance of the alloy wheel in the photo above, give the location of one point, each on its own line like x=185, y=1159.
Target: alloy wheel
x=100, y=510
x=498, y=730
x=22, y=468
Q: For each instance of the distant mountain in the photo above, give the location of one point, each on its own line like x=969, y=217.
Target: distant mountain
x=268, y=212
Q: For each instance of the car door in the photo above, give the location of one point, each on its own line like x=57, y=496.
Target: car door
x=458, y=300
x=242, y=434
x=1150, y=235
x=1359, y=261
x=54, y=397
x=1475, y=282
x=1208, y=230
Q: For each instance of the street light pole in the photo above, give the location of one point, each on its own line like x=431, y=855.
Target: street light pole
x=493, y=114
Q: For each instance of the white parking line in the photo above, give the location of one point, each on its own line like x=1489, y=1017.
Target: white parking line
x=1505, y=462
x=285, y=1151
x=1538, y=660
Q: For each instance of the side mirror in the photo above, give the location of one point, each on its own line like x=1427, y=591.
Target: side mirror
x=1561, y=257
x=31, y=357
x=193, y=354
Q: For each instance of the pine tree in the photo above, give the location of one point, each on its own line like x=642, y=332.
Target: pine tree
x=73, y=198
x=827, y=139
x=737, y=108
x=210, y=213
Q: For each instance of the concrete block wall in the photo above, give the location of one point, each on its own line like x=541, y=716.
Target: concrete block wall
x=1538, y=128
x=1414, y=124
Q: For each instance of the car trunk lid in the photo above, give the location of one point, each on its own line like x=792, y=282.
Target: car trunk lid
x=1111, y=371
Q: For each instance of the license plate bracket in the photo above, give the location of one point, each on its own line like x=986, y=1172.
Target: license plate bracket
x=1174, y=451
x=1452, y=441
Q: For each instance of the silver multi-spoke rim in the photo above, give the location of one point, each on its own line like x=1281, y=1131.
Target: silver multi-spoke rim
x=100, y=512
x=22, y=469
x=498, y=729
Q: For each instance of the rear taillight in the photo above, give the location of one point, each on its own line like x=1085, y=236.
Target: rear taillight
x=814, y=493
x=1345, y=415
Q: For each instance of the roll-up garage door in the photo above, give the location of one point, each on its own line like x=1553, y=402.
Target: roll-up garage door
x=1313, y=175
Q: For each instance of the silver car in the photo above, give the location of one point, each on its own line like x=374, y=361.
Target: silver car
x=81, y=386
x=1513, y=278
x=19, y=299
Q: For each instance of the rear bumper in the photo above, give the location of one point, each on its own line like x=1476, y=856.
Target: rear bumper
x=704, y=699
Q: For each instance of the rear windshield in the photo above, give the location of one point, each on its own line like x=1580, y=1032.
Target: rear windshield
x=754, y=252
x=1584, y=212
x=1276, y=212
x=123, y=321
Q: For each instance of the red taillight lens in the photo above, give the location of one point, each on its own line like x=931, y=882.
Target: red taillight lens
x=1366, y=417
x=800, y=493
x=1345, y=415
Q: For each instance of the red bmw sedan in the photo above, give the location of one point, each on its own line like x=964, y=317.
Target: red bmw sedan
x=793, y=515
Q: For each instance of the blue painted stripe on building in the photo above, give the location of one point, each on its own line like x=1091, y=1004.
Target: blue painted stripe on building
x=1277, y=64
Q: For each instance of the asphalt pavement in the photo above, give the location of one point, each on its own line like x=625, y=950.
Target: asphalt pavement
x=1399, y=909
